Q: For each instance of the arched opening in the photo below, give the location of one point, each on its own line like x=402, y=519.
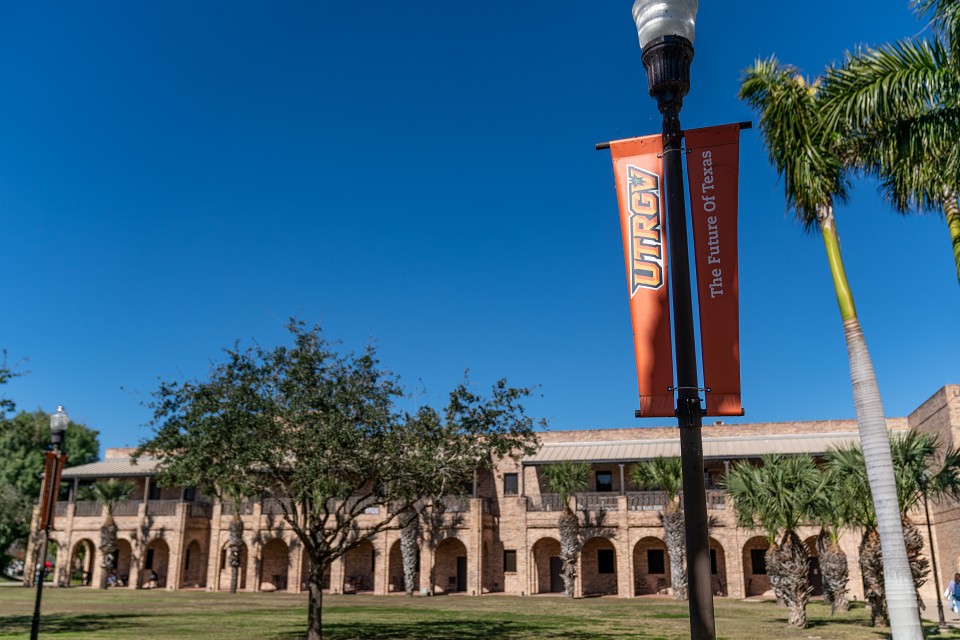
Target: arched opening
x=397, y=584
x=598, y=564
x=547, y=566
x=756, y=582
x=718, y=568
x=194, y=567
x=359, y=565
x=813, y=572
x=450, y=567
x=226, y=569
x=651, y=567
x=155, y=569
x=274, y=565
x=118, y=574
x=81, y=563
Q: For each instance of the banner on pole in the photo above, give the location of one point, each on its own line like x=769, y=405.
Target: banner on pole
x=52, y=468
x=712, y=168
x=638, y=169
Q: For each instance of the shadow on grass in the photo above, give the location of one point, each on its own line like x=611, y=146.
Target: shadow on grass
x=67, y=623
x=449, y=630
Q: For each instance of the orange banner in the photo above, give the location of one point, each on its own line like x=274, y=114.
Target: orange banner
x=639, y=177
x=52, y=468
x=712, y=168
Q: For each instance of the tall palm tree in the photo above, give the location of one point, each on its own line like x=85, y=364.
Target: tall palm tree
x=665, y=474
x=900, y=107
x=566, y=479
x=109, y=493
x=779, y=496
x=802, y=148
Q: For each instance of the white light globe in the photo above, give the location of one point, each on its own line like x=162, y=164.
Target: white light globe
x=659, y=18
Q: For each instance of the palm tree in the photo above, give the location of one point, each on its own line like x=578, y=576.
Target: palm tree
x=801, y=147
x=567, y=479
x=921, y=473
x=834, y=570
x=409, y=532
x=109, y=493
x=900, y=107
x=235, y=541
x=665, y=474
x=778, y=497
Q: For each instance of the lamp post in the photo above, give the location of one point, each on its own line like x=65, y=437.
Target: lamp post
x=58, y=424
x=666, y=29
x=924, y=481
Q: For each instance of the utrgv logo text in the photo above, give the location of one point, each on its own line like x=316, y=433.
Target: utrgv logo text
x=646, y=235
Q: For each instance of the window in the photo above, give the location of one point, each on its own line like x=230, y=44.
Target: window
x=509, y=561
x=467, y=486
x=656, y=561
x=154, y=493
x=758, y=562
x=605, y=561
x=190, y=494
x=604, y=481
x=511, y=484
x=149, y=563
x=713, y=562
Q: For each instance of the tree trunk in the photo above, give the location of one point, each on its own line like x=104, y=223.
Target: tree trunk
x=791, y=562
x=569, y=548
x=408, y=551
x=315, y=602
x=834, y=571
x=919, y=565
x=108, y=548
x=235, y=544
x=871, y=568
x=875, y=443
x=674, y=537
x=951, y=211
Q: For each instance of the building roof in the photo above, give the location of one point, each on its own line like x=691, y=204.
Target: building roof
x=112, y=468
x=751, y=446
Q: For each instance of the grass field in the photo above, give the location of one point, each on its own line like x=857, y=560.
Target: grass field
x=168, y=615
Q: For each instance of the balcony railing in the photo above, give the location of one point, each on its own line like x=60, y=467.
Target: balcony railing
x=545, y=502
x=716, y=500
x=646, y=500
x=88, y=508
x=162, y=507
x=246, y=508
x=200, y=510
x=62, y=508
x=271, y=507
x=127, y=508
x=456, y=504
x=597, y=501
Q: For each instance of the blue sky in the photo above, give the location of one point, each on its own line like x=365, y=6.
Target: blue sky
x=175, y=176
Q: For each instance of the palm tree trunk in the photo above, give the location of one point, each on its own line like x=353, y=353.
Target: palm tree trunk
x=108, y=548
x=875, y=443
x=315, y=604
x=835, y=572
x=569, y=548
x=951, y=210
x=674, y=537
x=792, y=563
x=919, y=565
x=235, y=543
x=408, y=552
x=871, y=569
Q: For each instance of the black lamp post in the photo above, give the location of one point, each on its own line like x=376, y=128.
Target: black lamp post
x=666, y=29
x=58, y=424
x=924, y=480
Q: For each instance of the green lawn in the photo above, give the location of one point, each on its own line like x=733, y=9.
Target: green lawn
x=167, y=615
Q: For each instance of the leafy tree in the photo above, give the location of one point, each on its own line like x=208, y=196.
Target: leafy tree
x=23, y=440
x=319, y=431
x=108, y=493
x=803, y=148
x=899, y=105
x=665, y=474
x=566, y=479
x=778, y=497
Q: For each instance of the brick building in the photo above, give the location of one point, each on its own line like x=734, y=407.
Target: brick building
x=503, y=537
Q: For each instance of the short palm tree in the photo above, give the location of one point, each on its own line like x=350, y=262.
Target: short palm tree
x=778, y=496
x=900, y=107
x=834, y=570
x=803, y=149
x=566, y=479
x=109, y=493
x=665, y=474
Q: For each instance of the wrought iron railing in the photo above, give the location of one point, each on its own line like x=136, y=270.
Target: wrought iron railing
x=246, y=507
x=646, y=500
x=200, y=510
x=62, y=508
x=127, y=508
x=162, y=507
x=86, y=508
x=545, y=502
x=597, y=501
x=456, y=504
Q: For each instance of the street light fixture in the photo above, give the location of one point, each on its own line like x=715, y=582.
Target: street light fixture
x=666, y=29
x=924, y=482
x=58, y=425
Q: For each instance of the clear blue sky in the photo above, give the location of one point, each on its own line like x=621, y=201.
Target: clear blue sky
x=175, y=176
